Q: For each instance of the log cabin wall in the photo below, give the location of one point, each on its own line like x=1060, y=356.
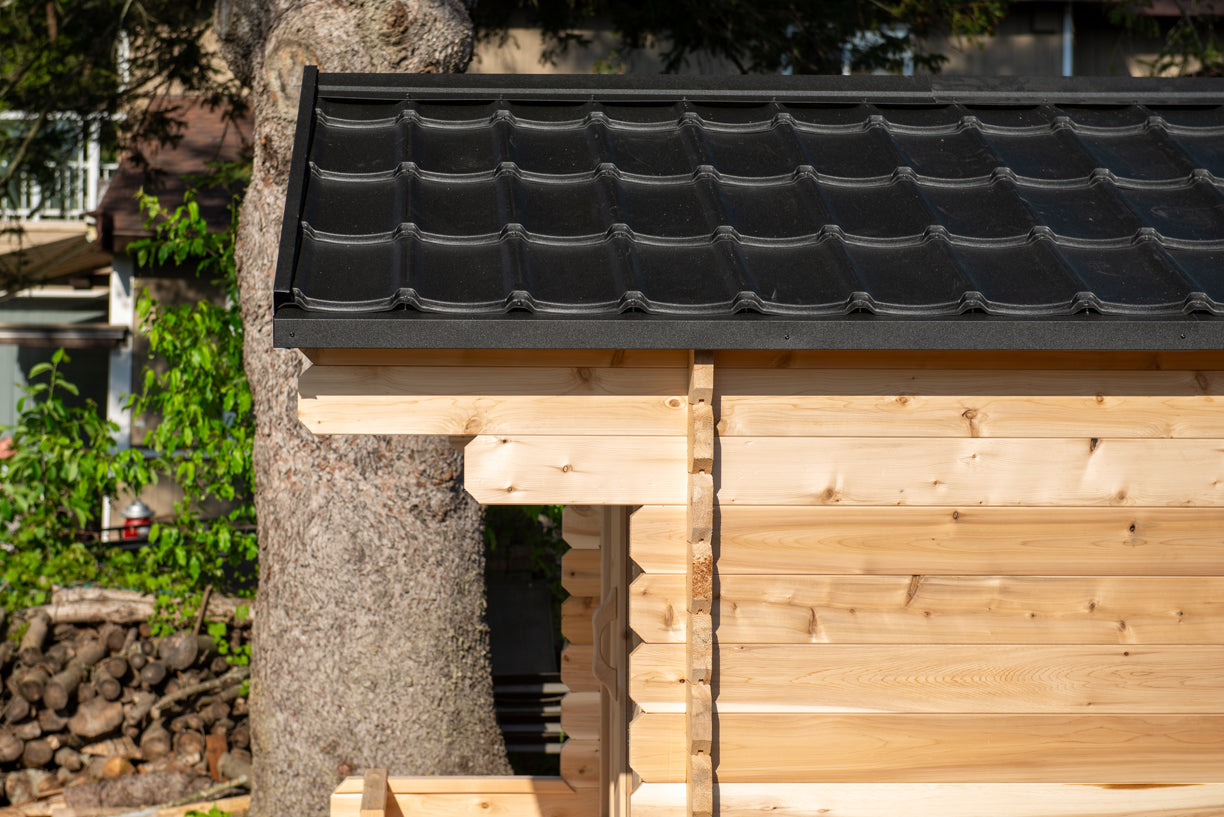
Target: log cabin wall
x=944, y=583
x=949, y=586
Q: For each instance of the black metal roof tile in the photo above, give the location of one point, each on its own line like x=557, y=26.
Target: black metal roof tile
x=754, y=212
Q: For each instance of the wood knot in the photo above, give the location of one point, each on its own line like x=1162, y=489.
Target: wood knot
x=1201, y=380
x=969, y=414
x=955, y=515
x=1100, y=398
x=565, y=469
x=674, y=402
x=903, y=399
x=1093, y=443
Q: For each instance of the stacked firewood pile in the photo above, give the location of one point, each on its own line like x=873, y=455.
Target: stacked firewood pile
x=98, y=715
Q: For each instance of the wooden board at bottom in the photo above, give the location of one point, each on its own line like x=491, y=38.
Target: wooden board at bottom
x=939, y=800
x=460, y=796
x=806, y=748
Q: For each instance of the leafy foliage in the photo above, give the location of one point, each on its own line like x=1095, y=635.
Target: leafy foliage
x=64, y=460
x=1192, y=43
x=804, y=36
x=69, y=68
x=51, y=489
x=198, y=390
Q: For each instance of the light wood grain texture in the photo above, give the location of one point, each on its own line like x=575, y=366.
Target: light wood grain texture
x=803, y=748
x=983, y=678
x=469, y=784
x=939, y=800
x=580, y=526
x=524, y=358
x=982, y=360
x=376, y=797
x=699, y=526
x=576, y=668
x=579, y=803
x=699, y=648
x=576, y=612
x=960, y=471
x=580, y=763
x=701, y=438
x=940, y=609
x=580, y=572
x=491, y=400
x=700, y=786
x=580, y=715
x=701, y=376
x=700, y=709
x=576, y=470
x=961, y=541
x=969, y=403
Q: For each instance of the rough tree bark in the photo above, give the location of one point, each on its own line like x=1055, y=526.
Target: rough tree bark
x=370, y=647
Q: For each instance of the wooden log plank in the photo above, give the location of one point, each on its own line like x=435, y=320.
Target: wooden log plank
x=580, y=572
x=699, y=587
x=491, y=400
x=939, y=609
x=518, y=358
x=576, y=668
x=961, y=541
x=805, y=748
x=376, y=797
x=701, y=376
x=580, y=763
x=464, y=784
x=576, y=470
x=580, y=715
x=580, y=526
x=961, y=471
x=1079, y=360
x=576, y=803
x=940, y=800
x=983, y=678
x=701, y=438
x=969, y=403
x=576, y=612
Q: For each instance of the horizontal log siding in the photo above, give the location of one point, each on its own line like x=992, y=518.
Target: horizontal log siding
x=949, y=585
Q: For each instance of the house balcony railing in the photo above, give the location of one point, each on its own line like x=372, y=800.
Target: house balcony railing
x=78, y=185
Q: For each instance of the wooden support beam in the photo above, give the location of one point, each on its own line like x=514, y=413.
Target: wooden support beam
x=491, y=400
x=699, y=588
x=469, y=796
x=584, y=470
x=376, y=797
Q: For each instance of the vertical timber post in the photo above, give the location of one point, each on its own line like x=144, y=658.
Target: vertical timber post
x=615, y=777
x=699, y=587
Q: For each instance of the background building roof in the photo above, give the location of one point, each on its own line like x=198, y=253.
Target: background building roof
x=754, y=212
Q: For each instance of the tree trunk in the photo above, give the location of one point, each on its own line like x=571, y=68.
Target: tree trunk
x=370, y=648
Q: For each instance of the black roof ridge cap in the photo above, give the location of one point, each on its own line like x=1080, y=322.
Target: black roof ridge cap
x=830, y=88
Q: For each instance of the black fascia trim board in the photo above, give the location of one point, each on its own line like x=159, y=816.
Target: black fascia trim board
x=919, y=90
x=295, y=328
x=295, y=196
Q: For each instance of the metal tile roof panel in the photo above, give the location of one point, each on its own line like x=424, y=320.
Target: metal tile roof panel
x=669, y=210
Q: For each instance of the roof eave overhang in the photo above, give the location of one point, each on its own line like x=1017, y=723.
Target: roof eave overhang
x=1089, y=332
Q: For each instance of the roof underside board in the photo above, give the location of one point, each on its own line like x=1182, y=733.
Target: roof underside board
x=683, y=212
